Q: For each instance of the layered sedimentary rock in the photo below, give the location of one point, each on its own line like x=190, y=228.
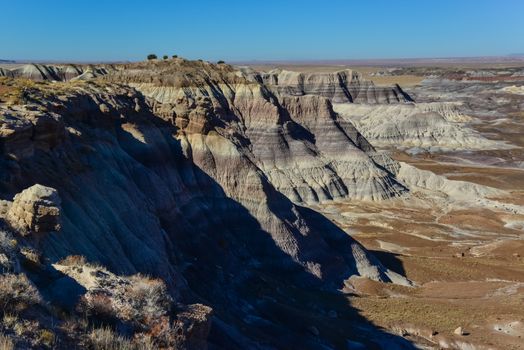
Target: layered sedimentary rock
x=344, y=86
x=43, y=72
x=300, y=143
x=428, y=126
x=5, y=72
x=193, y=187
x=22, y=133
x=36, y=209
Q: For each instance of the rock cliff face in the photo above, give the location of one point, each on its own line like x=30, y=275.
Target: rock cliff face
x=304, y=148
x=199, y=186
x=345, y=86
x=42, y=72
x=429, y=126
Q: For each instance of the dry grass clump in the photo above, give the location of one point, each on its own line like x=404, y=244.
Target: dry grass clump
x=148, y=299
x=32, y=258
x=47, y=337
x=6, y=343
x=106, y=339
x=8, y=249
x=141, y=302
x=80, y=261
x=73, y=260
x=14, y=91
x=99, y=306
x=17, y=293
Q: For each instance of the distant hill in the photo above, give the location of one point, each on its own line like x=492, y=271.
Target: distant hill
x=7, y=61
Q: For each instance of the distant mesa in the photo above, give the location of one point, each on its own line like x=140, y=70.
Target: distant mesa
x=40, y=72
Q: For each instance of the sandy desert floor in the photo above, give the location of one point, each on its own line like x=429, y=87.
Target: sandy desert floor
x=467, y=263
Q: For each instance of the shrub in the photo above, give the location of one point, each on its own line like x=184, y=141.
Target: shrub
x=26, y=328
x=6, y=343
x=106, y=339
x=47, y=338
x=148, y=299
x=9, y=320
x=17, y=292
x=73, y=260
x=165, y=57
x=8, y=248
x=175, y=56
x=221, y=62
x=152, y=56
x=99, y=306
x=32, y=258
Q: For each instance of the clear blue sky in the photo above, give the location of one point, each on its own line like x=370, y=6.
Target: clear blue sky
x=259, y=29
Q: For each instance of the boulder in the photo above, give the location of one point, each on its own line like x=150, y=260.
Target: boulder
x=35, y=209
x=192, y=326
x=460, y=331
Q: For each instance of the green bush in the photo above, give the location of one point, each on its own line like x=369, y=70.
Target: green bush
x=151, y=56
x=165, y=57
x=221, y=62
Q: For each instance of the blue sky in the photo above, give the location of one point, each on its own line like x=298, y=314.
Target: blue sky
x=259, y=29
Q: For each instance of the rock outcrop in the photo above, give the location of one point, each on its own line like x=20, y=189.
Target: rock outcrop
x=35, y=210
x=23, y=133
x=5, y=72
x=345, y=86
x=43, y=72
x=426, y=126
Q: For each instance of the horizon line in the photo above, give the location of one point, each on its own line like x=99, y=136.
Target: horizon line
x=516, y=57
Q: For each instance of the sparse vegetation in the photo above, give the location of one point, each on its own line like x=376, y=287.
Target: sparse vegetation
x=9, y=320
x=148, y=299
x=152, y=56
x=106, y=339
x=165, y=57
x=14, y=91
x=175, y=56
x=32, y=259
x=6, y=343
x=73, y=260
x=98, y=306
x=47, y=337
x=221, y=62
x=17, y=293
x=8, y=247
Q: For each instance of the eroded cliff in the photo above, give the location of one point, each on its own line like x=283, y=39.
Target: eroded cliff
x=198, y=184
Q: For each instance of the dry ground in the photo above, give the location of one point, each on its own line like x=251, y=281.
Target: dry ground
x=467, y=263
